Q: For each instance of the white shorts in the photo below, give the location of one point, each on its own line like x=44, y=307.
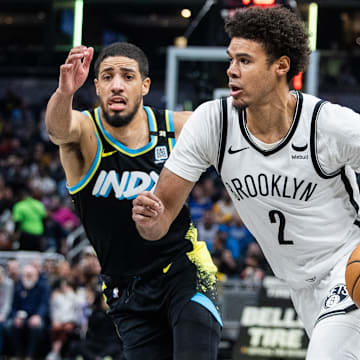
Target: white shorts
x=326, y=298
x=336, y=338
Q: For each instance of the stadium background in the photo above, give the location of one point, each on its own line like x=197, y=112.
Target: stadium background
x=35, y=37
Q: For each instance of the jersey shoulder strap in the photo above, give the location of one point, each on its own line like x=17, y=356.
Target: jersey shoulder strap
x=93, y=114
x=165, y=123
x=223, y=133
x=313, y=142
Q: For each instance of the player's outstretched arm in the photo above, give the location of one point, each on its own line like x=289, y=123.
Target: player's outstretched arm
x=154, y=213
x=60, y=119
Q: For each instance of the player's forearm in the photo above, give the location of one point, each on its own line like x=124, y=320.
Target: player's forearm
x=58, y=117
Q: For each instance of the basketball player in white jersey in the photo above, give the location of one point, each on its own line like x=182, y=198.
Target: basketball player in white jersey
x=288, y=160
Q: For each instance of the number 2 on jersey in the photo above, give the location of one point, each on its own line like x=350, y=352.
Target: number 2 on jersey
x=273, y=215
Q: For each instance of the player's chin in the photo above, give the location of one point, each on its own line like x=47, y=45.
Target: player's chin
x=239, y=103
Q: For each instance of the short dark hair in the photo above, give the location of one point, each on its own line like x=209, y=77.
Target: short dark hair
x=128, y=50
x=279, y=30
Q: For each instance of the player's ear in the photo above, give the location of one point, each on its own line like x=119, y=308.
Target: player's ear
x=96, y=83
x=146, y=86
x=283, y=65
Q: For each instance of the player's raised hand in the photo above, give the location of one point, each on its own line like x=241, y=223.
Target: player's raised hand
x=147, y=209
x=76, y=69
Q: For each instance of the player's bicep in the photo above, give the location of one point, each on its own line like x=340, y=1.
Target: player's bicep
x=173, y=191
x=74, y=132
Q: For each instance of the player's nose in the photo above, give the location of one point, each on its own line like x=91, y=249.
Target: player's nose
x=117, y=83
x=233, y=71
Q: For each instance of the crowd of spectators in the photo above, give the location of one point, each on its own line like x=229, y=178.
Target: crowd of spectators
x=56, y=298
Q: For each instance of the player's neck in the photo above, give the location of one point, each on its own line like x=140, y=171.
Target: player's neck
x=271, y=121
x=134, y=135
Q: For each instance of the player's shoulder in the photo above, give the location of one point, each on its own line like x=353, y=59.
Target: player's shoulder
x=211, y=109
x=332, y=118
x=328, y=108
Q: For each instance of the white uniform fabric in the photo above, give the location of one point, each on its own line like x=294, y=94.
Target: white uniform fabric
x=336, y=338
x=299, y=199
x=323, y=299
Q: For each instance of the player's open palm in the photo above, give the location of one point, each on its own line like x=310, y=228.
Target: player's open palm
x=76, y=69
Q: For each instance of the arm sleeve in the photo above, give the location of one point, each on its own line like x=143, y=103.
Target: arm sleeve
x=338, y=138
x=198, y=143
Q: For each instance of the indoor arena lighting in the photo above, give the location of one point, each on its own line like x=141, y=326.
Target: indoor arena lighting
x=312, y=25
x=78, y=22
x=185, y=13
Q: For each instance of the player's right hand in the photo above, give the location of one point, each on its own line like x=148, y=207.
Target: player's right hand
x=75, y=70
x=147, y=210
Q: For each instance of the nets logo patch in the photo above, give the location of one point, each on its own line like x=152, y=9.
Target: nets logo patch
x=115, y=293
x=336, y=295
x=161, y=153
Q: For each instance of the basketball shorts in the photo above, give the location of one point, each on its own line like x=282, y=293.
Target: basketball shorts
x=324, y=299
x=171, y=315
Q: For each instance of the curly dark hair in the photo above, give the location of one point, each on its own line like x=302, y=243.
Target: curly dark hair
x=279, y=30
x=127, y=50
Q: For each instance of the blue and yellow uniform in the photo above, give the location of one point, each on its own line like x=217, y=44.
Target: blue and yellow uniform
x=157, y=278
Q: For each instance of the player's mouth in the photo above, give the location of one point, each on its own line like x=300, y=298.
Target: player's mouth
x=117, y=103
x=235, y=90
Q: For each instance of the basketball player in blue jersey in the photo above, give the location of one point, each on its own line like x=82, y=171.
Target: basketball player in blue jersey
x=287, y=160
x=162, y=295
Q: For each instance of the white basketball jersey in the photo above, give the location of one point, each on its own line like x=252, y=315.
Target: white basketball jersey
x=301, y=213
x=302, y=217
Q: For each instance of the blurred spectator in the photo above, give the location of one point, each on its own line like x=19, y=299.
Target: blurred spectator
x=29, y=315
x=210, y=191
x=6, y=298
x=63, y=269
x=10, y=102
x=224, y=209
x=40, y=157
x=5, y=242
x=50, y=268
x=101, y=339
x=64, y=315
x=6, y=196
x=63, y=215
x=55, y=236
x=28, y=215
x=207, y=228
x=198, y=203
x=222, y=257
x=43, y=182
x=90, y=267
x=37, y=262
x=254, y=266
x=239, y=237
x=13, y=270
x=16, y=171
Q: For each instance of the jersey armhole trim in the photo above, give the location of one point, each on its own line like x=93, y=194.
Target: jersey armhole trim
x=313, y=139
x=223, y=133
x=169, y=119
x=94, y=166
